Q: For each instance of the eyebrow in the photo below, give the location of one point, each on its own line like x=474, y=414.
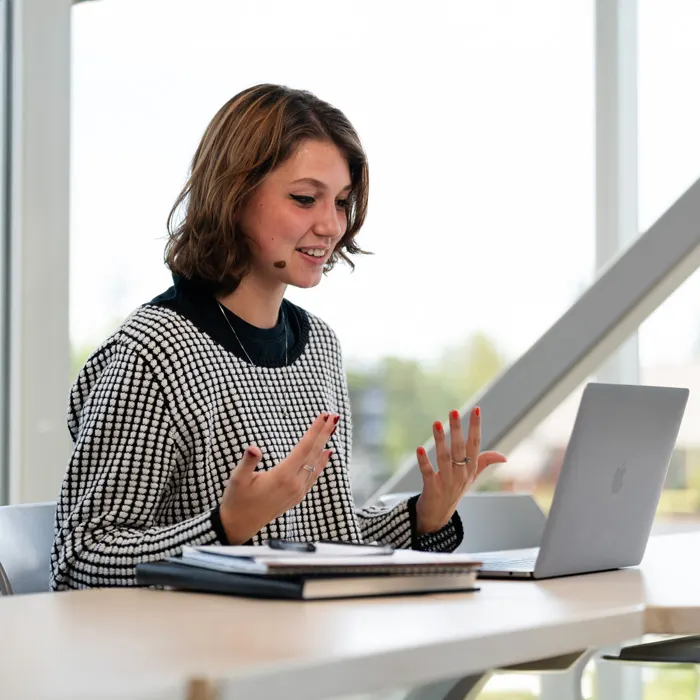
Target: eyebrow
x=317, y=183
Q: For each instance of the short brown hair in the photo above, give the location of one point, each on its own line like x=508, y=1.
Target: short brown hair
x=251, y=135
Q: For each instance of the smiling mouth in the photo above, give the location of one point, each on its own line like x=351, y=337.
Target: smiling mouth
x=318, y=253
x=315, y=260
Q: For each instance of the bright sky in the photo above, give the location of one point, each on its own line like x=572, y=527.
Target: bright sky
x=478, y=121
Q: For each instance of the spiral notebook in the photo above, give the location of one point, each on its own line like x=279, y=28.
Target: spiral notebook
x=266, y=573
x=326, y=559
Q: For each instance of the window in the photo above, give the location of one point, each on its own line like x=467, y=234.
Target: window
x=670, y=356
x=669, y=340
x=669, y=162
x=669, y=141
x=478, y=122
x=535, y=464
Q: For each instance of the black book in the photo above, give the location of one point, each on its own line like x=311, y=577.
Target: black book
x=174, y=575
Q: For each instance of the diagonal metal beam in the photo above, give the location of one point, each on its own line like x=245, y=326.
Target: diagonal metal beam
x=626, y=292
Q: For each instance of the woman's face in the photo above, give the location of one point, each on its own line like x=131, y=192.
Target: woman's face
x=297, y=216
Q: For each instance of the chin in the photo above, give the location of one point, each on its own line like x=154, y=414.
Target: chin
x=305, y=283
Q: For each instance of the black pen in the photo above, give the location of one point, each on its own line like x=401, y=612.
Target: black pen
x=291, y=545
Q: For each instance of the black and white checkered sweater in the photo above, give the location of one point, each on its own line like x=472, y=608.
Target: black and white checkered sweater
x=160, y=414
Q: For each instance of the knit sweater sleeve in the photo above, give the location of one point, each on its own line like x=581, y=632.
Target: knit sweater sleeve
x=124, y=460
x=397, y=526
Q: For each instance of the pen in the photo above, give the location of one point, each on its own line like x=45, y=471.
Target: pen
x=291, y=545
x=382, y=548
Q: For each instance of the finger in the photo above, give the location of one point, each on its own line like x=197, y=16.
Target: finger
x=323, y=463
x=486, y=459
x=299, y=456
x=458, y=450
x=442, y=452
x=322, y=439
x=474, y=436
x=251, y=457
x=313, y=458
x=457, y=446
x=456, y=437
x=426, y=468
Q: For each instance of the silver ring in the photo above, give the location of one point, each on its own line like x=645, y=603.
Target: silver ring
x=463, y=463
x=309, y=468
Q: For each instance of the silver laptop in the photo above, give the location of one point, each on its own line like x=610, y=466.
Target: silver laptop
x=609, y=487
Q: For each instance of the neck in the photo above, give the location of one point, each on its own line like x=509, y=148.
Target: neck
x=254, y=303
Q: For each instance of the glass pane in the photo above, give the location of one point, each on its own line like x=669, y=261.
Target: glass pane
x=669, y=162
x=534, y=465
x=669, y=345
x=670, y=356
x=669, y=106
x=478, y=122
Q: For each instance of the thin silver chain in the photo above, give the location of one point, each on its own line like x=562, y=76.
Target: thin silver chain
x=233, y=330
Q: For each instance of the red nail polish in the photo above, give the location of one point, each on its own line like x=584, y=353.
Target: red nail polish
x=325, y=417
x=438, y=426
x=333, y=431
x=477, y=411
x=421, y=451
x=454, y=415
x=336, y=419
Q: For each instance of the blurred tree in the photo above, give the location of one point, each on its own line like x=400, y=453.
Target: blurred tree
x=80, y=353
x=471, y=366
x=78, y=358
x=415, y=394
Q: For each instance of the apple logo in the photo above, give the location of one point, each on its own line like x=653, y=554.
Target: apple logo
x=619, y=476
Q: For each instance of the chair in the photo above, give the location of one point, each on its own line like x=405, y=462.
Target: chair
x=26, y=536
x=493, y=521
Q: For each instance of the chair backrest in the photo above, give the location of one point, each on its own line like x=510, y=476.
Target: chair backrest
x=26, y=536
x=493, y=521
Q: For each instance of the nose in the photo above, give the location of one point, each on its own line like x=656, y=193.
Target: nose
x=331, y=221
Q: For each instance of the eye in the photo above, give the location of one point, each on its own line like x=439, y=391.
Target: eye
x=342, y=203
x=302, y=200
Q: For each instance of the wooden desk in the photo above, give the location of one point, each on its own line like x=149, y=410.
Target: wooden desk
x=130, y=643
x=126, y=643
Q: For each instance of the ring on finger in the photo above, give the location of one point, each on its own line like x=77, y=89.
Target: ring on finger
x=463, y=463
x=309, y=468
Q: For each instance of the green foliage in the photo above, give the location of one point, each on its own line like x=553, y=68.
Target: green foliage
x=78, y=357
x=676, y=683
x=417, y=394
x=81, y=353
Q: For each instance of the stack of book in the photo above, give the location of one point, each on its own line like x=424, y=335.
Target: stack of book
x=291, y=570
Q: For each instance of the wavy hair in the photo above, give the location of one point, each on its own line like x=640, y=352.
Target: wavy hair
x=251, y=135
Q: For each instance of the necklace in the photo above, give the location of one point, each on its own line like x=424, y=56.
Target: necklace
x=280, y=405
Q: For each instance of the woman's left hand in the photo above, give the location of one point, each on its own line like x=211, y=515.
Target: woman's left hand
x=459, y=464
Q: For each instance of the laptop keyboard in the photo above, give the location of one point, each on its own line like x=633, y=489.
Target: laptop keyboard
x=515, y=560
x=509, y=565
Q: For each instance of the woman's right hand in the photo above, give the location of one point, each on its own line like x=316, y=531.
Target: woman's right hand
x=253, y=499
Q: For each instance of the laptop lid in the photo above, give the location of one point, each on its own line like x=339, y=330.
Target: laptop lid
x=611, y=478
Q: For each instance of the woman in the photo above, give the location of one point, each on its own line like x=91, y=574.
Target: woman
x=218, y=412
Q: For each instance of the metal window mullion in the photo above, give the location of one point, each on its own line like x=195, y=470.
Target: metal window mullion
x=617, y=191
x=5, y=204
x=39, y=350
